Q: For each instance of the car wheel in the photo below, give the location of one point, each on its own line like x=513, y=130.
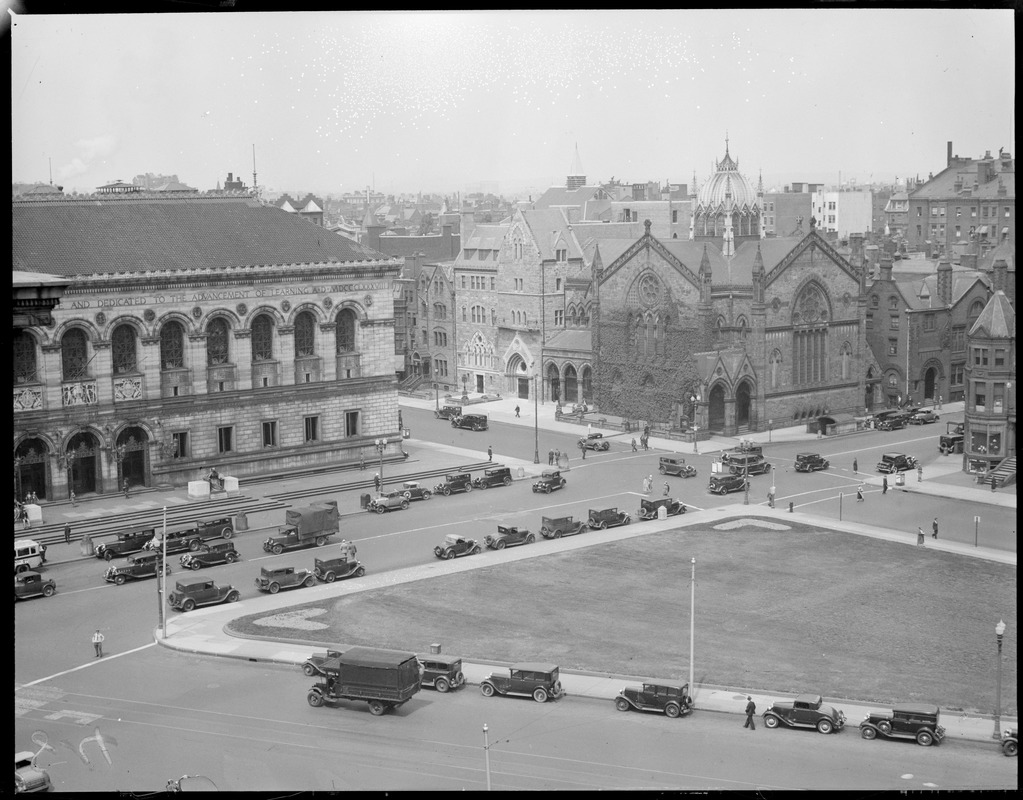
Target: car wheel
x=530, y=539
x=380, y=509
x=868, y=733
x=507, y=481
x=442, y=685
x=540, y=694
x=278, y=549
x=662, y=470
x=407, y=495
x=274, y=587
x=48, y=591
x=885, y=727
x=475, y=551
x=233, y=597
x=825, y=726
x=404, y=504
x=194, y=545
x=627, y=521
x=321, y=540
x=188, y=605
x=231, y=557
x=447, y=492
x=602, y=525
x=329, y=577
x=360, y=572
x=468, y=487
x=315, y=698
x=487, y=689
x=499, y=544
x=924, y=739
x=1010, y=748
x=107, y=555
x=307, y=582
x=547, y=489
x=426, y=494
x=671, y=710
x=556, y=535
x=308, y=670
x=119, y=580
x=376, y=708
x=448, y=554
x=194, y=565
x=622, y=704
x=228, y=532
x=771, y=721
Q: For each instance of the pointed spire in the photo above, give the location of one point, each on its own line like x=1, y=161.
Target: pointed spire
x=726, y=143
x=705, y=262
x=577, y=164
x=760, y=183
x=758, y=262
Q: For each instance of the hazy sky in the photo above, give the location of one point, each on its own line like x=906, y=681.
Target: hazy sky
x=421, y=101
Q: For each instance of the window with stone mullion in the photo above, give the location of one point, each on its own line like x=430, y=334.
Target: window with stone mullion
x=24, y=351
x=123, y=350
x=74, y=355
x=305, y=335
x=216, y=343
x=262, y=339
x=172, y=346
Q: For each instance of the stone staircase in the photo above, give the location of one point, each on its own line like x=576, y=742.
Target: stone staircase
x=410, y=384
x=1003, y=474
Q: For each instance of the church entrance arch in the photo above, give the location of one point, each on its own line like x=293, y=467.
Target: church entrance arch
x=30, y=462
x=554, y=382
x=743, y=404
x=82, y=456
x=716, y=408
x=571, y=385
x=131, y=453
x=587, y=385
x=930, y=379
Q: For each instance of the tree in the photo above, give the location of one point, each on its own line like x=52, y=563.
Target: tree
x=427, y=225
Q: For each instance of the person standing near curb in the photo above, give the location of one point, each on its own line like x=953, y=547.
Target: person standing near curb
x=919, y=473
x=490, y=453
x=667, y=489
x=751, y=709
x=634, y=448
x=124, y=486
x=97, y=642
x=856, y=467
x=550, y=458
x=859, y=493
x=516, y=411
x=920, y=536
x=67, y=531
x=884, y=485
x=934, y=528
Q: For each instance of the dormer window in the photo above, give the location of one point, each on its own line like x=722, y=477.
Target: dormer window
x=561, y=254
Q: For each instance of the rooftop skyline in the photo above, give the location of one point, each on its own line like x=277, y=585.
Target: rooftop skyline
x=448, y=101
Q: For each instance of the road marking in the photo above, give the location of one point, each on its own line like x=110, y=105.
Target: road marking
x=89, y=664
x=81, y=717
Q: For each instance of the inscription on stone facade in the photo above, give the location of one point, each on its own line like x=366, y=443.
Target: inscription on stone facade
x=227, y=294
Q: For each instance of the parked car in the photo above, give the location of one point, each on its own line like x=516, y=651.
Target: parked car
x=549, y=481
x=508, y=536
x=894, y=422
x=125, y=543
x=472, y=422
x=676, y=465
x=32, y=584
x=723, y=484
x=744, y=449
x=805, y=711
x=315, y=661
x=556, y=527
x=748, y=465
x=443, y=673
x=539, y=681
x=192, y=534
x=212, y=553
x=602, y=519
x=924, y=417
x=331, y=569
x=895, y=462
x=1010, y=741
x=27, y=776
x=671, y=699
x=810, y=462
x=457, y=482
x=455, y=546
x=952, y=440
x=192, y=594
x=273, y=579
x=910, y=721
x=447, y=412
x=594, y=441
x=140, y=565
x=498, y=476
x=648, y=508
x=388, y=502
x=414, y=490
x=28, y=554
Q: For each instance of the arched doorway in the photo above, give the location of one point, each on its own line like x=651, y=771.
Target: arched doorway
x=716, y=408
x=83, y=463
x=868, y=392
x=742, y=405
x=930, y=379
x=554, y=382
x=571, y=385
x=587, y=385
x=131, y=454
x=30, y=462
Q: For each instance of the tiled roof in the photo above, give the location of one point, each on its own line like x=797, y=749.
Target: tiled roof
x=561, y=196
x=921, y=294
x=1005, y=251
x=99, y=235
x=486, y=237
x=578, y=340
x=997, y=319
x=942, y=185
x=549, y=226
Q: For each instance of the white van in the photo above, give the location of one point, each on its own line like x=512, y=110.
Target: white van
x=28, y=554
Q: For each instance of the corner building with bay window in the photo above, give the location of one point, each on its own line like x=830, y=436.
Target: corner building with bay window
x=195, y=332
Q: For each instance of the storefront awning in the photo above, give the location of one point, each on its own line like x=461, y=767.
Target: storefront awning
x=1005, y=230
x=982, y=229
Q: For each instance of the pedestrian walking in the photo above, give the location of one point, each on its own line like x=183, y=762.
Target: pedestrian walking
x=919, y=473
x=362, y=460
x=884, y=485
x=24, y=517
x=582, y=446
x=646, y=486
x=67, y=531
x=856, y=467
x=649, y=483
x=920, y=536
x=490, y=454
x=634, y=448
x=934, y=528
x=751, y=709
x=376, y=481
x=667, y=489
x=97, y=642
x=770, y=497
x=124, y=488
x=557, y=457
x=516, y=411
x=550, y=457
x=859, y=493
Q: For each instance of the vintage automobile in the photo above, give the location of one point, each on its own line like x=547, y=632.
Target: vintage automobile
x=447, y=412
x=810, y=462
x=414, y=490
x=909, y=721
x=894, y=422
x=192, y=594
x=212, y=553
x=895, y=462
x=724, y=484
x=27, y=776
x=556, y=527
x=140, y=565
x=648, y=508
x=671, y=699
x=190, y=535
x=472, y=422
x=539, y=681
x=125, y=543
x=388, y=502
x=28, y=554
x=676, y=465
x=1010, y=742
x=455, y=546
x=457, y=482
x=602, y=519
x=746, y=448
x=923, y=417
x=32, y=584
x=508, y=536
x=952, y=440
x=549, y=480
x=273, y=579
x=498, y=476
x=594, y=441
x=312, y=665
x=441, y=672
x=331, y=569
x=748, y=465
x=805, y=711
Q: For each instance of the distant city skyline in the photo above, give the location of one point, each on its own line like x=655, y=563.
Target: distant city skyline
x=441, y=102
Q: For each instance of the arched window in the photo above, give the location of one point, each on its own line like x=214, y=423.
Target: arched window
x=24, y=357
x=217, y=342
x=122, y=345
x=810, y=316
x=305, y=334
x=719, y=329
x=262, y=338
x=743, y=329
x=440, y=311
x=893, y=303
x=74, y=354
x=846, y=353
x=172, y=345
x=346, y=331
x=775, y=368
x=975, y=309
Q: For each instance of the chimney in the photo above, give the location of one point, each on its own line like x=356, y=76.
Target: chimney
x=945, y=281
x=948, y=158
x=998, y=273
x=886, y=267
x=856, y=246
x=468, y=225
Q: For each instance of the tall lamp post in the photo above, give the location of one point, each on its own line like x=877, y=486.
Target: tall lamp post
x=745, y=482
x=436, y=396
x=695, y=400
x=536, y=425
x=381, y=445
x=692, y=628
x=999, y=631
x=486, y=752
x=770, y=429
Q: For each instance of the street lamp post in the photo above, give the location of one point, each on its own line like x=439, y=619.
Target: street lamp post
x=692, y=627
x=695, y=400
x=381, y=445
x=745, y=482
x=436, y=396
x=999, y=631
x=536, y=426
x=465, y=390
x=486, y=752
x=770, y=429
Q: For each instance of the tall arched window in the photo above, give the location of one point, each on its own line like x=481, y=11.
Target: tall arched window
x=217, y=351
x=810, y=316
x=305, y=334
x=262, y=338
x=743, y=330
x=74, y=354
x=123, y=353
x=346, y=331
x=24, y=357
x=775, y=368
x=846, y=359
x=172, y=345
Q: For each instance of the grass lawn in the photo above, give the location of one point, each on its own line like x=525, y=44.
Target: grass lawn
x=779, y=611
